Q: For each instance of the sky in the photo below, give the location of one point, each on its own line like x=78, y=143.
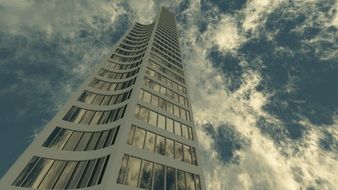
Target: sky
x=262, y=76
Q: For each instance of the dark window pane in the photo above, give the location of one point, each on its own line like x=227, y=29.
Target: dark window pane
x=65, y=175
x=51, y=137
x=170, y=181
x=25, y=172
x=87, y=174
x=61, y=139
x=180, y=180
x=53, y=174
x=133, y=171
x=98, y=169
x=123, y=169
x=190, y=181
x=102, y=139
x=138, y=140
x=83, y=142
x=106, y=100
x=73, y=181
x=72, y=114
x=110, y=137
x=198, y=183
x=150, y=141
x=104, y=117
x=37, y=173
x=87, y=117
x=79, y=116
x=73, y=140
x=158, y=177
x=170, y=151
x=92, y=143
x=160, y=145
x=146, y=175
x=193, y=156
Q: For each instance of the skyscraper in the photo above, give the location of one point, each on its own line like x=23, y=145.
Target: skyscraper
x=128, y=126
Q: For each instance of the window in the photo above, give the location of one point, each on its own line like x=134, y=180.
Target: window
x=160, y=145
x=178, y=151
x=46, y=173
x=150, y=141
x=158, y=177
x=170, y=151
x=146, y=175
x=132, y=172
x=171, y=183
x=138, y=140
x=180, y=180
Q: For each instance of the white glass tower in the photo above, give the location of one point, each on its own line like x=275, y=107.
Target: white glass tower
x=128, y=126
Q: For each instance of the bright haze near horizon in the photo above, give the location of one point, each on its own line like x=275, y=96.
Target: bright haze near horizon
x=262, y=76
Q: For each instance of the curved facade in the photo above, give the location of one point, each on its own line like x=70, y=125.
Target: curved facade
x=128, y=126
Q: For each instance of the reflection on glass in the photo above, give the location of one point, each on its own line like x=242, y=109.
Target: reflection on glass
x=92, y=143
x=190, y=133
x=102, y=139
x=87, y=117
x=73, y=140
x=161, y=121
x=158, y=177
x=86, y=174
x=133, y=171
x=26, y=171
x=138, y=139
x=152, y=119
x=98, y=99
x=170, y=181
x=189, y=181
x=154, y=101
x=143, y=114
x=177, y=128
x=170, y=151
x=162, y=103
x=83, y=142
x=169, y=125
x=169, y=107
x=178, y=151
x=146, y=175
x=97, y=171
x=180, y=180
x=198, y=183
x=36, y=175
x=185, y=131
x=160, y=145
x=146, y=96
x=150, y=141
x=120, y=178
x=193, y=156
x=96, y=117
x=61, y=139
x=52, y=175
x=51, y=137
x=131, y=135
x=176, y=110
x=187, y=154
x=65, y=175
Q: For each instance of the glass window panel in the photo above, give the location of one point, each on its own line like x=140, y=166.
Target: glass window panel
x=97, y=171
x=176, y=110
x=169, y=107
x=146, y=97
x=163, y=90
x=146, y=175
x=187, y=154
x=96, y=118
x=178, y=151
x=177, y=128
x=83, y=142
x=51, y=137
x=181, y=99
x=193, y=156
x=52, y=175
x=98, y=99
x=170, y=151
x=133, y=170
x=89, y=98
x=141, y=94
x=198, y=183
x=156, y=87
x=102, y=139
x=31, y=164
x=175, y=96
x=122, y=172
x=83, y=96
x=170, y=181
x=154, y=101
x=92, y=143
x=138, y=139
x=113, y=100
x=111, y=136
x=73, y=140
x=131, y=135
x=161, y=121
x=150, y=141
x=104, y=118
x=106, y=86
x=160, y=145
x=37, y=173
x=143, y=114
x=162, y=103
x=180, y=180
x=183, y=114
x=79, y=116
x=185, y=131
x=158, y=177
x=169, y=93
x=169, y=125
x=86, y=174
x=61, y=139
x=65, y=175
x=190, y=182
x=190, y=133
x=152, y=119
x=87, y=117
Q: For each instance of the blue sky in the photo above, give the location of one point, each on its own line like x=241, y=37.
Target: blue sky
x=262, y=76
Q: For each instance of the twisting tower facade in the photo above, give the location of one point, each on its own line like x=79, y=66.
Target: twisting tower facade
x=128, y=126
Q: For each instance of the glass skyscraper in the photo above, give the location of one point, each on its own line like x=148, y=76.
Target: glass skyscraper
x=128, y=126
